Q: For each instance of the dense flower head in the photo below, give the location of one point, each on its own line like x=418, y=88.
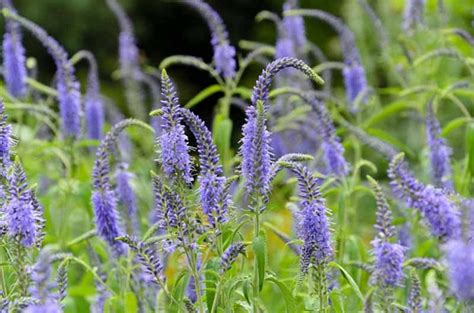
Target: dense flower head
x=14, y=61
x=460, y=259
x=256, y=153
x=224, y=53
x=284, y=48
x=69, y=95
x=230, y=256
x=333, y=150
x=175, y=157
x=94, y=109
x=413, y=15
x=5, y=139
x=214, y=199
x=313, y=224
x=388, y=262
x=127, y=197
x=20, y=214
x=439, y=152
x=414, y=299
x=439, y=212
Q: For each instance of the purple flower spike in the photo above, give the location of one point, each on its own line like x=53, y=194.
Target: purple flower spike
x=127, y=197
x=313, y=225
x=439, y=212
x=388, y=256
x=94, y=107
x=294, y=25
x=224, y=53
x=14, y=62
x=230, y=256
x=355, y=82
x=5, y=139
x=175, y=157
x=214, y=198
x=67, y=85
x=460, y=258
x=413, y=15
x=440, y=152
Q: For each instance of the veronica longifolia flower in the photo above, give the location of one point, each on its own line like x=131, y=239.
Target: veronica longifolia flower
x=5, y=139
x=67, y=85
x=313, y=225
x=439, y=151
x=413, y=15
x=439, y=212
x=94, y=107
x=127, y=197
x=214, y=198
x=294, y=25
x=460, y=259
x=14, y=63
x=389, y=256
x=175, y=158
x=224, y=52
x=20, y=213
x=230, y=256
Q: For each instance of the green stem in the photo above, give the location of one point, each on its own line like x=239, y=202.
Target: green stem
x=256, y=291
x=216, y=296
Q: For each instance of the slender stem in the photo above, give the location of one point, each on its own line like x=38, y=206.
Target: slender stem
x=256, y=283
x=216, y=296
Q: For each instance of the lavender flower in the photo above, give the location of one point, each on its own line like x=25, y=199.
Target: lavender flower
x=388, y=256
x=460, y=259
x=294, y=25
x=439, y=212
x=176, y=161
x=284, y=47
x=94, y=108
x=355, y=82
x=230, y=256
x=104, y=199
x=67, y=85
x=414, y=299
x=313, y=225
x=20, y=214
x=5, y=139
x=224, y=53
x=333, y=150
x=211, y=179
x=413, y=15
x=440, y=152
x=127, y=197
x=14, y=63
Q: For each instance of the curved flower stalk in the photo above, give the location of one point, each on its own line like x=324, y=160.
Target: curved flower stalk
x=129, y=60
x=14, y=61
x=460, y=260
x=224, y=52
x=230, y=256
x=93, y=104
x=438, y=211
x=214, y=199
x=413, y=15
x=439, y=151
x=330, y=142
x=127, y=197
x=353, y=73
x=22, y=214
x=175, y=158
x=104, y=199
x=389, y=256
x=69, y=95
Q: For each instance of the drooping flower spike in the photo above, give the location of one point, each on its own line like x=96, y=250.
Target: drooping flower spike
x=439, y=151
x=224, y=52
x=313, y=224
x=69, y=95
x=437, y=209
x=14, y=61
x=389, y=256
x=104, y=199
x=175, y=158
x=230, y=256
x=214, y=199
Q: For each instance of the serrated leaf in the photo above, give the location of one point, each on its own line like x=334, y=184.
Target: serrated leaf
x=285, y=292
x=259, y=245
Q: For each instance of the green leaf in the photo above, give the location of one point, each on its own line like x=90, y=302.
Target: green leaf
x=470, y=147
x=246, y=290
x=336, y=301
x=388, y=111
x=212, y=267
x=349, y=279
x=131, y=303
x=202, y=95
x=260, y=249
x=285, y=292
x=455, y=123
